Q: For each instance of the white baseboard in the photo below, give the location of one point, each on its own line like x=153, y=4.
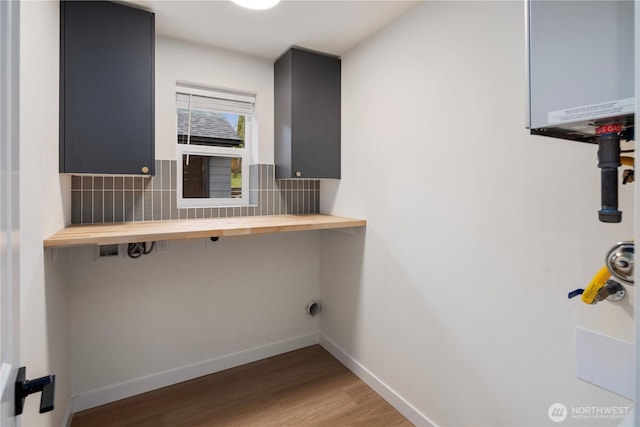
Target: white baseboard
x=391, y=396
x=115, y=392
x=68, y=415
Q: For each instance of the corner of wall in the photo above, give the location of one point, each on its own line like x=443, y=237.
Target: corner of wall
x=65, y=196
x=403, y=406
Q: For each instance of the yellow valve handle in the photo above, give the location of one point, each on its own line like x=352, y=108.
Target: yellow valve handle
x=599, y=280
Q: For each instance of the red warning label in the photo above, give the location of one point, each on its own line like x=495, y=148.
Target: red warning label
x=612, y=128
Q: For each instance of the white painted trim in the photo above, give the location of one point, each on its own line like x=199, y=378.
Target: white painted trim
x=387, y=393
x=68, y=415
x=5, y=373
x=115, y=392
x=244, y=154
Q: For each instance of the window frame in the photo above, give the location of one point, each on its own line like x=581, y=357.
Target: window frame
x=243, y=153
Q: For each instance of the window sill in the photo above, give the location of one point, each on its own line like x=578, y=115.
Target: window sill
x=182, y=205
x=147, y=231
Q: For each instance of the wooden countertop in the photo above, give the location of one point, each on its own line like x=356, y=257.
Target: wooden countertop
x=147, y=231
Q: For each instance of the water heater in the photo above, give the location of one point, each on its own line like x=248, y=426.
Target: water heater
x=581, y=79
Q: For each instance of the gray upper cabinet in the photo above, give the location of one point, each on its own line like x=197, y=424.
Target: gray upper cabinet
x=307, y=115
x=106, y=89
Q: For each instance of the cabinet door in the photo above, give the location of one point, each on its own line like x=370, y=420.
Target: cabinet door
x=316, y=115
x=283, y=117
x=307, y=115
x=107, y=89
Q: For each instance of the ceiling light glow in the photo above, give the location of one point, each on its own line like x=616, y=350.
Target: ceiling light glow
x=257, y=4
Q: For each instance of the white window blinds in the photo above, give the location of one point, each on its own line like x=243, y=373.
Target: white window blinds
x=204, y=99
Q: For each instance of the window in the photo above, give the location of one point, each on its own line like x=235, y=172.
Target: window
x=213, y=145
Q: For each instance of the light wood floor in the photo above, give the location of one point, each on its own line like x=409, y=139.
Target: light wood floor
x=306, y=387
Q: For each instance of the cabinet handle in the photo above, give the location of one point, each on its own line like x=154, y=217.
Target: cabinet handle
x=145, y=169
x=298, y=174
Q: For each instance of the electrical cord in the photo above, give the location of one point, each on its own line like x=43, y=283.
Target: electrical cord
x=136, y=250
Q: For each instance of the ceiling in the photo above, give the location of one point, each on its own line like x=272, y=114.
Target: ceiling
x=329, y=26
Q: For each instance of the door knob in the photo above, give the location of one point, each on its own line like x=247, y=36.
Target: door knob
x=25, y=387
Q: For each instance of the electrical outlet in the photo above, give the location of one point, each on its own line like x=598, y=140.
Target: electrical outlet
x=103, y=252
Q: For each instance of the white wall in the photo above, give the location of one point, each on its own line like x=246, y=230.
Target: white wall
x=177, y=60
x=44, y=205
x=455, y=295
x=188, y=305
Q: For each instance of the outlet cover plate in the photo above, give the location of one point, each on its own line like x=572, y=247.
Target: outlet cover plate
x=605, y=361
